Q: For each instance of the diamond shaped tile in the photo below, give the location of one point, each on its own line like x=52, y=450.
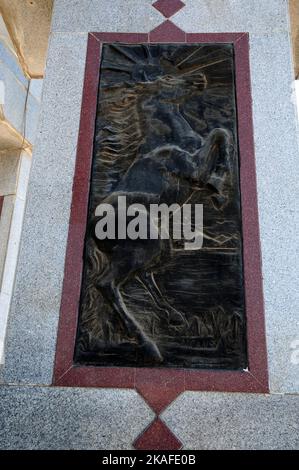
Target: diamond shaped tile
x=167, y=32
x=160, y=387
x=157, y=437
x=168, y=7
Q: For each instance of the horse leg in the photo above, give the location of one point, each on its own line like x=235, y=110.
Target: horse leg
x=216, y=157
x=113, y=296
x=148, y=281
x=127, y=258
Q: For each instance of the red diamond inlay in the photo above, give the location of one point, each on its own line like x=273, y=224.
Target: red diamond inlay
x=159, y=387
x=157, y=437
x=168, y=7
x=167, y=32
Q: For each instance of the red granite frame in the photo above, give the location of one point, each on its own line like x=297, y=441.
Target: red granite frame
x=160, y=386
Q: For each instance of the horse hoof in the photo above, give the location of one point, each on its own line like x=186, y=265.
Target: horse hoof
x=152, y=352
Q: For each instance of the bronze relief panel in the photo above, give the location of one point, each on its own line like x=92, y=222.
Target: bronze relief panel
x=166, y=133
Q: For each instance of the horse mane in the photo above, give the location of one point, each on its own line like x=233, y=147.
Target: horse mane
x=119, y=134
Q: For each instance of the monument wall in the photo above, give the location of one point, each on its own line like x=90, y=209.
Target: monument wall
x=101, y=410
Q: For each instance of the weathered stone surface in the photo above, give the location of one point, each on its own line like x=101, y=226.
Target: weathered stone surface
x=5, y=220
x=31, y=336
x=10, y=245
x=234, y=421
x=28, y=24
x=19, y=106
x=274, y=116
x=103, y=15
x=294, y=14
x=256, y=16
x=9, y=164
x=69, y=418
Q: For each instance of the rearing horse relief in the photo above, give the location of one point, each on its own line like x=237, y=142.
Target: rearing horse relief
x=165, y=134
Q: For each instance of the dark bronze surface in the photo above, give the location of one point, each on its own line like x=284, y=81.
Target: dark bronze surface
x=165, y=133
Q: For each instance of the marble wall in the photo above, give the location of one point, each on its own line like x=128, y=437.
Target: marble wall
x=196, y=418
